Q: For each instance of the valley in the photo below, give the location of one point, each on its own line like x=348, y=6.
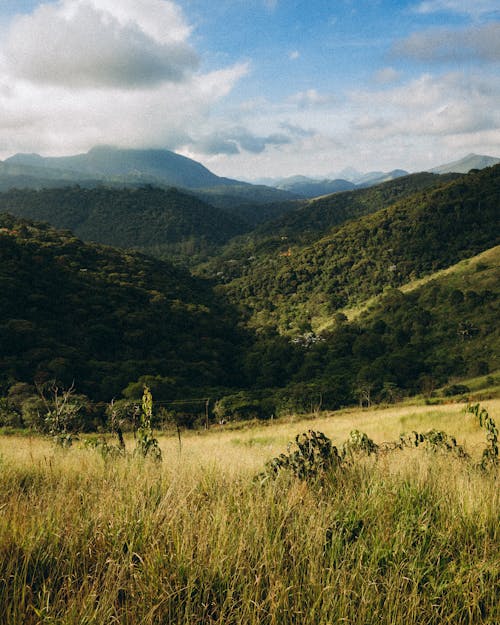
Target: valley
x=367, y=295
x=260, y=409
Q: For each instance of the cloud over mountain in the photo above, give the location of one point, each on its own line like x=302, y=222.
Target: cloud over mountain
x=234, y=140
x=76, y=73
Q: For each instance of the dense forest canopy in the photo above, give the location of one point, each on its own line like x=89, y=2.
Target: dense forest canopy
x=287, y=285
x=272, y=336
x=156, y=221
x=103, y=317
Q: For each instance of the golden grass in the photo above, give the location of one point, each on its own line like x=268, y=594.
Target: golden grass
x=408, y=538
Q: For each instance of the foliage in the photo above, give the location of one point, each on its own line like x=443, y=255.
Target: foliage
x=102, y=318
x=434, y=440
x=307, y=222
x=112, y=322
x=147, y=444
x=411, y=238
x=244, y=405
x=490, y=456
x=411, y=539
x=311, y=455
x=165, y=223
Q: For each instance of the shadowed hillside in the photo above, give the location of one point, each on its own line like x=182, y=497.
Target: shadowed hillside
x=161, y=222
x=102, y=318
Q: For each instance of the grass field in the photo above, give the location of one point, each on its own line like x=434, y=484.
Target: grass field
x=410, y=537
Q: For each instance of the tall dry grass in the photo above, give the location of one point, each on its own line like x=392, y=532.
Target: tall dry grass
x=410, y=538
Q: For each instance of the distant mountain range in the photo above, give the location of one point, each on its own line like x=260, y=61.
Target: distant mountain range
x=350, y=178
x=111, y=166
x=122, y=167
x=309, y=187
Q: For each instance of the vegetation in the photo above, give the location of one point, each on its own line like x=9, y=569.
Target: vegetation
x=107, y=323
x=303, y=222
x=101, y=318
x=164, y=223
x=387, y=516
x=416, y=236
x=409, y=538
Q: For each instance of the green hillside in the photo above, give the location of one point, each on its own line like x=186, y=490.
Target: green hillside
x=306, y=221
x=437, y=334
x=416, y=236
x=102, y=317
x=156, y=221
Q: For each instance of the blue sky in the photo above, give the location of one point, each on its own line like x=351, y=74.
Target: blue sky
x=254, y=88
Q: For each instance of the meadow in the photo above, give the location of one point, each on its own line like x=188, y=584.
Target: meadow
x=411, y=536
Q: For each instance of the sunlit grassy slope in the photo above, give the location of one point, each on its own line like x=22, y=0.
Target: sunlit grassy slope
x=481, y=270
x=412, y=537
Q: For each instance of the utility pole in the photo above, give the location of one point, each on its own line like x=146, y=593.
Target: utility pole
x=207, y=403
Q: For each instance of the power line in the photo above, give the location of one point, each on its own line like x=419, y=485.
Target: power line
x=177, y=401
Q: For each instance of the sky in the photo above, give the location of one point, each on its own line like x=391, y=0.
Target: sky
x=254, y=88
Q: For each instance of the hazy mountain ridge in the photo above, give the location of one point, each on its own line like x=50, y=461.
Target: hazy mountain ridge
x=464, y=165
x=314, y=186
x=108, y=165
x=310, y=187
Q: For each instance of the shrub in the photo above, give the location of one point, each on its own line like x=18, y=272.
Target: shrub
x=455, y=389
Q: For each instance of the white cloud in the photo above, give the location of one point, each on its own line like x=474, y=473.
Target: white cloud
x=294, y=55
x=311, y=98
x=410, y=125
x=82, y=72
x=474, y=8
x=235, y=140
x=429, y=110
x=480, y=43
x=99, y=43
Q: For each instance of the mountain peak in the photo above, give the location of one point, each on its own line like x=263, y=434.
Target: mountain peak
x=465, y=164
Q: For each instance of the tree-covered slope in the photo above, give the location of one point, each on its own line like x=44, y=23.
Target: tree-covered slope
x=103, y=317
x=158, y=221
x=441, y=331
x=303, y=222
x=320, y=215
x=426, y=231
x=445, y=328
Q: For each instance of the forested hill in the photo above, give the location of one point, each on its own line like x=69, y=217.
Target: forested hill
x=418, y=235
x=308, y=221
x=320, y=215
x=157, y=221
x=102, y=317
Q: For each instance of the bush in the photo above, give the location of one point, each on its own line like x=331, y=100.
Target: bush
x=244, y=405
x=455, y=389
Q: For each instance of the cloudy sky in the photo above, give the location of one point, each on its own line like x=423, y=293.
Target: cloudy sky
x=254, y=88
